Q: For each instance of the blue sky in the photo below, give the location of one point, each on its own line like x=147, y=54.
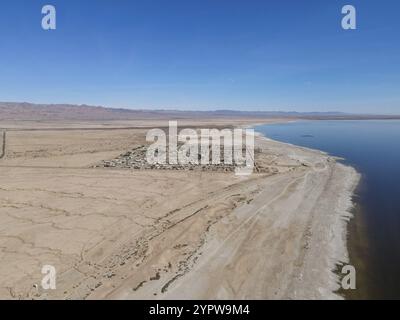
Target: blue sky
x=203, y=54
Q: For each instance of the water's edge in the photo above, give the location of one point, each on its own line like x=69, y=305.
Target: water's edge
x=353, y=230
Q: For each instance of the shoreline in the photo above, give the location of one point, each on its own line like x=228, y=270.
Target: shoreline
x=336, y=252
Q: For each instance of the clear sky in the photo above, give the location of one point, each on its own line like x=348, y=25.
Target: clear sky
x=203, y=54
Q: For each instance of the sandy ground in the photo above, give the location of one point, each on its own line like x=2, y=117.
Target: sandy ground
x=125, y=234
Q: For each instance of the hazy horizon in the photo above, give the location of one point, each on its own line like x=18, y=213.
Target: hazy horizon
x=210, y=109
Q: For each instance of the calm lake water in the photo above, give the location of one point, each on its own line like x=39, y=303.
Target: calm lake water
x=373, y=148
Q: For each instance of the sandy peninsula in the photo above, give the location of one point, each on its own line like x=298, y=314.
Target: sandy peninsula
x=151, y=234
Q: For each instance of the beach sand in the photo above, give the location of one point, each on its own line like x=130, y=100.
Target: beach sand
x=149, y=234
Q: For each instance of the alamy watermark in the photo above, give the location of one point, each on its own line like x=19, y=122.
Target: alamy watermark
x=349, y=279
x=233, y=147
x=49, y=18
x=49, y=278
x=349, y=21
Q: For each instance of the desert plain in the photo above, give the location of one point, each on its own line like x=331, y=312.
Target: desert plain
x=114, y=233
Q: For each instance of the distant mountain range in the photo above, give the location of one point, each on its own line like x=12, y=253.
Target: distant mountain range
x=42, y=112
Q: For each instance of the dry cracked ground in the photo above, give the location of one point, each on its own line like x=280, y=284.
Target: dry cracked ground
x=125, y=234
